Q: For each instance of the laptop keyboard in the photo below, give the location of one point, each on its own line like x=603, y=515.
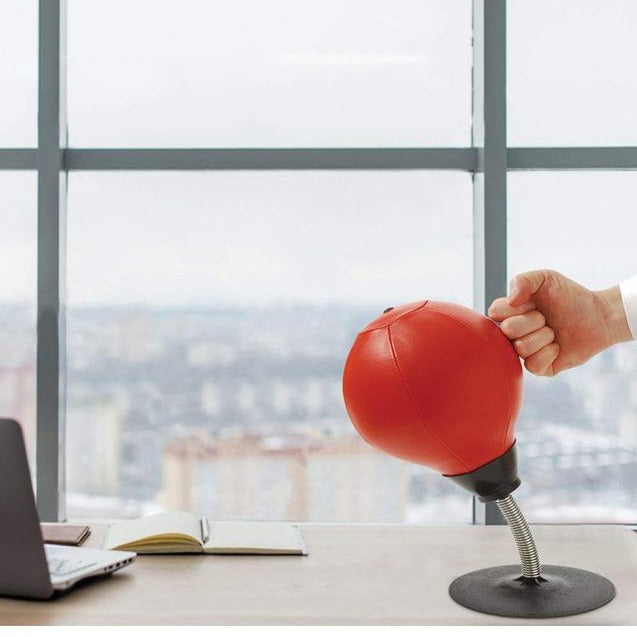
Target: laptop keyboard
x=66, y=566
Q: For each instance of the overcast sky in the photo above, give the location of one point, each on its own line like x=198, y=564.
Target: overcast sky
x=331, y=73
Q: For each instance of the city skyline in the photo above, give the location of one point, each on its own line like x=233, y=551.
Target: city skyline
x=246, y=386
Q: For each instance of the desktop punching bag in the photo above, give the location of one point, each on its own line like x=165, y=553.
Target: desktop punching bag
x=440, y=385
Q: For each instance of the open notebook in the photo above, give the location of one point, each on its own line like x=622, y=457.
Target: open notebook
x=179, y=532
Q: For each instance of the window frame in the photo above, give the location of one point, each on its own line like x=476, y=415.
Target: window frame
x=488, y=159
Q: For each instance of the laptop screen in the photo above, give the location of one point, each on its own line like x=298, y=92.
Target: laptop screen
x=23, y=566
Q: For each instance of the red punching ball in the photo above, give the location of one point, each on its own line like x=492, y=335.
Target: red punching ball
x=438, y=384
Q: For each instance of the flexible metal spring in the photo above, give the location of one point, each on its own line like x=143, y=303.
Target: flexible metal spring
x=522, y=535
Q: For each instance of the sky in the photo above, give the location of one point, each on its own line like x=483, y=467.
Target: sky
x=331, y=73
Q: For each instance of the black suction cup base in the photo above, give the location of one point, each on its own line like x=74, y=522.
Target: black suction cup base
x=558, y=592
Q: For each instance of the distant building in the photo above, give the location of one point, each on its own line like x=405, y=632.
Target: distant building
x=93, y=433
x=238, y=413
x=294, y=478
x=565, y=469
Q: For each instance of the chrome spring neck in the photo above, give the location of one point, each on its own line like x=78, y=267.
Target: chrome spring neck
x=522, y=534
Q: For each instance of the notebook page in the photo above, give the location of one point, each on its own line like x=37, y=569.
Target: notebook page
x=167, y=523
x=255, y=537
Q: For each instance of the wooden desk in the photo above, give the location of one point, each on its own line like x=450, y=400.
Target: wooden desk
x=353, y=575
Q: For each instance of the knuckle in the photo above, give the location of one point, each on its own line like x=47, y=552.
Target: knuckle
x=535, y=368
x=521, y=347
x=507, y=327
x=503, y=308
x=531, y=366
x=550, y=332
x=495, y=310
x=538, y=318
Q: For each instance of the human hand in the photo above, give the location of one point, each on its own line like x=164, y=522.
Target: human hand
x=555, y=323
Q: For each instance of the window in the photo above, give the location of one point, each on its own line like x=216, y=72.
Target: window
x=210, y=308
x=570, y=73
x=18, y=73
x=210, y=314
x=17, y=301
x=580, y=424
x=269, y=74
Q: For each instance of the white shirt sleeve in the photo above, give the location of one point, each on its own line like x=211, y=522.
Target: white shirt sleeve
x=628, y=291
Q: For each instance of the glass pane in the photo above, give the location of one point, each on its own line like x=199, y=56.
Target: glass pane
x=18, y=73
x=278, y=73
x=17, y=302
x=571, y=72
x=210, y=315
x=578, y=431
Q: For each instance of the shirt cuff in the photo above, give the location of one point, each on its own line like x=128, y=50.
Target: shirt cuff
x=628, y=291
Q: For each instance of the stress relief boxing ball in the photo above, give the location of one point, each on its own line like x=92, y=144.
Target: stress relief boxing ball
x=440, y=385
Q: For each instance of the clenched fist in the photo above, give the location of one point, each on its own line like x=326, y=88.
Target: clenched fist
x=555, y=323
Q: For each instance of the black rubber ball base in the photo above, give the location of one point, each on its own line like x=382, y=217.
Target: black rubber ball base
x=558, y=592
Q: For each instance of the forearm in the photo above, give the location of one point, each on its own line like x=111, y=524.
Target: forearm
x=628, y=290
x=615, y=307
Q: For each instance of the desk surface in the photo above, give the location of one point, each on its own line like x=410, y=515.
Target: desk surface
x=353, y=575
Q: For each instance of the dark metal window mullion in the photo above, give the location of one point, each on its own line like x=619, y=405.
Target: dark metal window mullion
x=489, y=184
x=50, y=348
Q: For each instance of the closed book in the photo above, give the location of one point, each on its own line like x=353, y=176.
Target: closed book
x=63, y=533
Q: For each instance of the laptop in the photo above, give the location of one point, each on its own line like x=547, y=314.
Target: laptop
x=28, y=567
